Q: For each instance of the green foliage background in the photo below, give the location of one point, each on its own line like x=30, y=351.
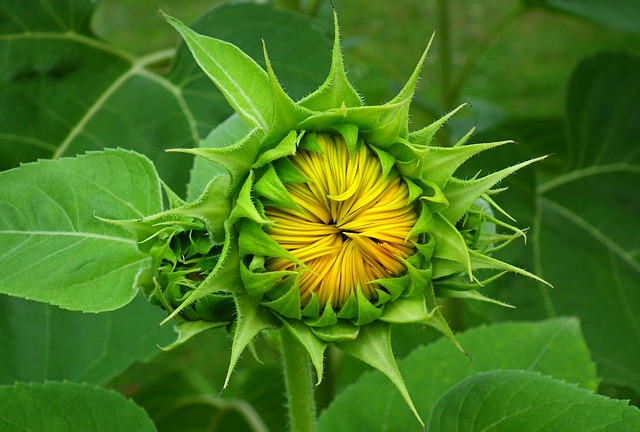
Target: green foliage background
x=74, y=79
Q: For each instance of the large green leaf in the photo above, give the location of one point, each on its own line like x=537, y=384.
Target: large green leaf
x=63, y=92
x=554, y=347
x=54, y=249
x=583, y=210
x=38, y=338
x=65, y=407
x=505, y=401
x=619, y=14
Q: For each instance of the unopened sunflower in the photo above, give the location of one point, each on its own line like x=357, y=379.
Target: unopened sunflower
x=331, y=222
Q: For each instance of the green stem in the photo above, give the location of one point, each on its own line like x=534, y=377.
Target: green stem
x=299, y=384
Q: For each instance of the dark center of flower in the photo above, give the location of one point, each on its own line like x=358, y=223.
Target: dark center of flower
x=354, y=224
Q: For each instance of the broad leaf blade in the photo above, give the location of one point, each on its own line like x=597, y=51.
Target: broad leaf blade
x=554, y=347
x=584, y=226
x=37, y=339
x=504, y=401
x=64, y=92
x=54, y=249
x=77, y=407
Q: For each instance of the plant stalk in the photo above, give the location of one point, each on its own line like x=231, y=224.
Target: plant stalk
x=298, y=384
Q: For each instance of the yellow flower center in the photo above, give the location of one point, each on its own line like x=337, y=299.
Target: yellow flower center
x=353, y=227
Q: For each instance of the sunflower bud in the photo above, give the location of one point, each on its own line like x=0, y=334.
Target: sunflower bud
x=332, y=222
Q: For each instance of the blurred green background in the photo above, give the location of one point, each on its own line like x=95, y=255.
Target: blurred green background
x=511, y=62
x=524, y=69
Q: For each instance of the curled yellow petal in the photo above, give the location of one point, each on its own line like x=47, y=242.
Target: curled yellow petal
x=353, y=225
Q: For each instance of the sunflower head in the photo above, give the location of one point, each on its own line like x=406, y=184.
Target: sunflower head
x=332, y=219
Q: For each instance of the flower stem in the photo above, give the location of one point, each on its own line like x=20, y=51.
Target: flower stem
x=299, y=384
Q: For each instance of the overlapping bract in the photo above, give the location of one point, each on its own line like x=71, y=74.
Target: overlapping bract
x=210, y=255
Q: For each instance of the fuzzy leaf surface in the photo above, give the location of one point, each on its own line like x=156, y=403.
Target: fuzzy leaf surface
x=65, y=92
x=510, y=400
x=37, y=339
x=77, y=407
x=54, y=249
x=553, y=347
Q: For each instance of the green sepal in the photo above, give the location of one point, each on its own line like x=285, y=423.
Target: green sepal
x=425, y=223
x=257, y=284
x=287, y=172
x=415, y=191
x=142, y=230
x=471, y=295
x=244, y=84
x=270, y=187
x=324, y=121
x=367, y=312
x=225, y=276
x=252, y=240
x=449, y=243
x=433, y=196
x=172, y=198
x=426, y=247
x=212, y=208
x=251, y=319
x=437, y=320
x=245, y=207
x=236, y=159
x=349, y=309
x=439, y=163
x=387, y=161
x=418, y=279
x=349, y=133
x=407, y=310
x=287, y=114
x=481, y=261
x=342, y=331
x=444, y=267
x=336, y=90
x=461, y=283
x=425, y=135
x=286, y=147
x=395, y=122
x=328, y=317
x=310, y=142
x=287, y=305
x=373, y=346
x=462, y=193
x=370, y=117
x=312, y=310
x=395, y=286
x=188, y=329
x=390, y=125
x=314, y=346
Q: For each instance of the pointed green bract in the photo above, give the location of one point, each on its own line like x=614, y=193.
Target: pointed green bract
x=336, y=90
x=462, y=193
x=243, y=82
x=218, y=261
x=373, y=346
x=251, y=320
